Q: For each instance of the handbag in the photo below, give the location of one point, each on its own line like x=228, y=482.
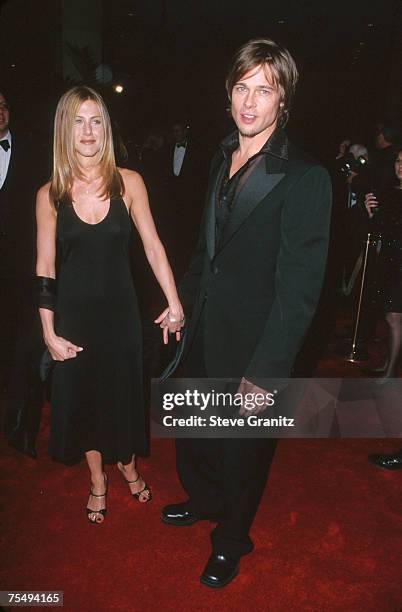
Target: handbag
x=45, y=365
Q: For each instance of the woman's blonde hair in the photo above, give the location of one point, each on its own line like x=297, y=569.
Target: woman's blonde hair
x=65, y=163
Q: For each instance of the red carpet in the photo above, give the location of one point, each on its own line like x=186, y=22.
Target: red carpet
x=328, y=535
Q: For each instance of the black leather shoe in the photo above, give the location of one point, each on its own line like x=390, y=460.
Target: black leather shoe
x=178, y=515
x=219, y=571
x=387, y=462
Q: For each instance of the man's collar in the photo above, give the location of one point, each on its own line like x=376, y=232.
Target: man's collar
x=276, y=145
x=7, y=136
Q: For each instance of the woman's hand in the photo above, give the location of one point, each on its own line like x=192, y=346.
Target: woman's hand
x=61, y=349
x=171, y=320
x=371, y=204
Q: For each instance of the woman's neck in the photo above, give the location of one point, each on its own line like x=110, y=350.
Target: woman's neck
x=90, y=170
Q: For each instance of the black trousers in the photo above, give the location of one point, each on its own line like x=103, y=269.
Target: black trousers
x=25, y=393
x=223, y=478
x=9, y=307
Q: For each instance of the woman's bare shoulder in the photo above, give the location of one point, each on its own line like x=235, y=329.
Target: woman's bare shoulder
x=43, y=196
x=131, y=178
x=44, y=191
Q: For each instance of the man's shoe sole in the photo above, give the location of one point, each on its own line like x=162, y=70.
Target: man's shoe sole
x=178, y=523
x=384, y=467
x=393, y=468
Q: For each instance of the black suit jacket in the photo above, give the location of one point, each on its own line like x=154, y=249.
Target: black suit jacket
x=26, y=172
x=258, y=291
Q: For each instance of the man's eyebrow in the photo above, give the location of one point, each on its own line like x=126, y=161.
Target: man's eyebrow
x=267, y=86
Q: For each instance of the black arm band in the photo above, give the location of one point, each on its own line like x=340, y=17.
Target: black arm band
x=45, y=292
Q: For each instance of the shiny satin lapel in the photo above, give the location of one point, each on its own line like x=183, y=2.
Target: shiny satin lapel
x=215, y=179
x=10, y=170
x=259, y=184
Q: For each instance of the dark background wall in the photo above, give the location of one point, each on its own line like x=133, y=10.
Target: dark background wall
x=171, y=58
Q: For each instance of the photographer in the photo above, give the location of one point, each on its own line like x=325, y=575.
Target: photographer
x=352, y=183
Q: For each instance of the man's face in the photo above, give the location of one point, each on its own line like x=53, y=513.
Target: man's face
x=4, y=114
x=88, y=129
x=179, y=132
x=256, y=102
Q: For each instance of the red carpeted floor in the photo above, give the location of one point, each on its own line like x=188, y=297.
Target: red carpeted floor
x=328, y=534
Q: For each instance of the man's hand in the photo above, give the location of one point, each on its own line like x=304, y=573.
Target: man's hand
x=247, y=387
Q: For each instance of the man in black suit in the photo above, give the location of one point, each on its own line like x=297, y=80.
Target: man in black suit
x=252, y=286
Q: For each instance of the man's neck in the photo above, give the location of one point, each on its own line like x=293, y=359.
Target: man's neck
x=250, y=145
x=4, y=133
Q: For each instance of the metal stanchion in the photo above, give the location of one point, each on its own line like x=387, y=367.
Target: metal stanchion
x=353, y=357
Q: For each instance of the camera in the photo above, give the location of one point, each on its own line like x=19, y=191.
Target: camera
x=351, y=164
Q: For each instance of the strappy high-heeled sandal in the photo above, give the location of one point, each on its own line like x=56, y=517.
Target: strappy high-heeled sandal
x=102, y=511
x=145, y=490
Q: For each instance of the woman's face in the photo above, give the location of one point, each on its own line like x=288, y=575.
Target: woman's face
x=89, y=131
x=398, y=166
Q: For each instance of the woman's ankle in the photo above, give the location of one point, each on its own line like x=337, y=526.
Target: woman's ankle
x=98, y=479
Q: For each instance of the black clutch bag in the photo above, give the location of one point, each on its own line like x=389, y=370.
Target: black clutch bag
x=45, y=365
x=171, y=367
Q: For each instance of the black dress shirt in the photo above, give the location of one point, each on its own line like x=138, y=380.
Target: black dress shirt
x=230, y=187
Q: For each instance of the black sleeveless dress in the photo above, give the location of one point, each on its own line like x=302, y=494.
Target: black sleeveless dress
x=388, y=224
x=97, y=397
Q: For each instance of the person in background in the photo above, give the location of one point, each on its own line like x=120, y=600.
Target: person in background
x=21, y=171
x=385, y=211
x=183, y=198
x=386, y=138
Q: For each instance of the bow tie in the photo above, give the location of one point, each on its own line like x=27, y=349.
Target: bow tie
x=5, y=144
x=178, y=145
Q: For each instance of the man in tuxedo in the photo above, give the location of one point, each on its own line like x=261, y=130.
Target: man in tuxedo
x=252, y=288
x=185, y=187
x=180, y=148
x=8, y=298
x=20, y=335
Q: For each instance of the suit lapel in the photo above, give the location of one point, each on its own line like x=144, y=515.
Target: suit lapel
x=7, y=181
x=262, y=180
x=217, y=171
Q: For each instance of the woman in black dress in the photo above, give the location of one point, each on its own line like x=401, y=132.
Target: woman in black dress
x=388, y=223
x=91, y=323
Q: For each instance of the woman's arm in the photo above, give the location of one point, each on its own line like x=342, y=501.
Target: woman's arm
x=137, y=200
x=59, y=348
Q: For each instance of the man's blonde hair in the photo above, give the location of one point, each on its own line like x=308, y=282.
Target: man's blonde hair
x=265, y=52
